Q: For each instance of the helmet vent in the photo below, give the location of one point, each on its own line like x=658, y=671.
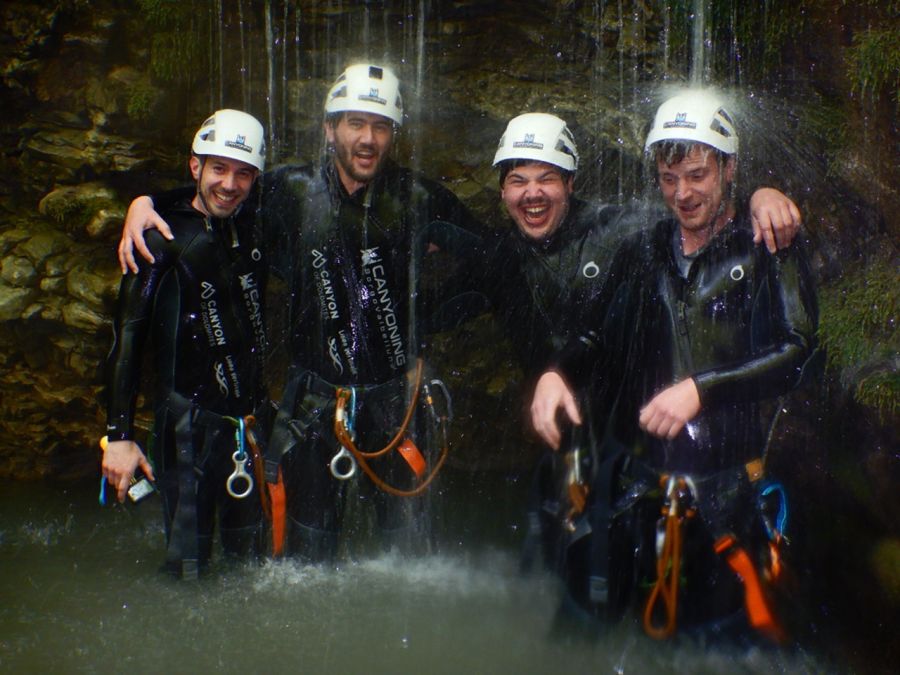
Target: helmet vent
x=719, y=128
x=340, y=93
x=376, y=73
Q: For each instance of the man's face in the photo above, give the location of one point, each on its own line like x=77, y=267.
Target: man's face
x=361, y=144
x=223, y=183
x=537, y=198
x=694, y=188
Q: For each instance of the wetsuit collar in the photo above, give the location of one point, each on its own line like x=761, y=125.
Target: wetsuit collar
x=570, y=228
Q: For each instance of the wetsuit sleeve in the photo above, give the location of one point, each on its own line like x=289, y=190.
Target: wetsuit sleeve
x=163, y=201
x=281, y=211
x=452, y=235
x=792, y=317
x=137, y=294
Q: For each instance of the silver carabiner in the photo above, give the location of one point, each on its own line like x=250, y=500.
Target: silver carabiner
x=343, y=455
x=240, y=473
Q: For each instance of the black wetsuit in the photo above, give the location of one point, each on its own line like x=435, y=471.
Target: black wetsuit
x=742, y=323
x=538, y=287
x=201, y=305
x=358, y=312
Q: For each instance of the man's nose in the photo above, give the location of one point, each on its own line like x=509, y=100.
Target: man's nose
x=366, y=135
x=533, y=189
x=228, y=181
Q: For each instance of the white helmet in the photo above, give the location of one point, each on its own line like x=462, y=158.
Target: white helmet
x=365, y=87
x=233, y=134
x=695, y=116
x=541, y=137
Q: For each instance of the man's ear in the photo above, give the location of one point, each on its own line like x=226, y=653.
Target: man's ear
x=328, y=128
x=196, y=165
x=730, y=166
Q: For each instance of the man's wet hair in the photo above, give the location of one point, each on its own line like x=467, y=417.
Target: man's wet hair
x=508, y=165
x=674, y=152
x=333, y=119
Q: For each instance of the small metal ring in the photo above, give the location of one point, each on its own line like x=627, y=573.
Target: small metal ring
x=343, y=454
x=239, y=473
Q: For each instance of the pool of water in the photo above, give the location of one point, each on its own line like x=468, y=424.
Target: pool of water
x=81, y=592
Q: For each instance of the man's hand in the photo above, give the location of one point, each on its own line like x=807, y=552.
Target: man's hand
x=551, y=394
x=667, y=412
x=141, y=216
x=120, y=461
x=776, y=219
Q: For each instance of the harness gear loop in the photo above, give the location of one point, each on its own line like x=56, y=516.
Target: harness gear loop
x=345, y=437
x=677, y=506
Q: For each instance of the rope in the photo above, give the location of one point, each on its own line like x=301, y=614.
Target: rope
x=345, y=438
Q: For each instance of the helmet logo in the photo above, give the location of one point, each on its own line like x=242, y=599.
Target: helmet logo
x=239, y=143
x=373, y=97
x=680, y=122
x=528, y=142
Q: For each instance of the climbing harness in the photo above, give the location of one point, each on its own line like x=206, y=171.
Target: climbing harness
x=344, y=433
x=239, y=483
x=680, y=499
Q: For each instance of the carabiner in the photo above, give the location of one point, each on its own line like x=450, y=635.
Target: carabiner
x=343, y=455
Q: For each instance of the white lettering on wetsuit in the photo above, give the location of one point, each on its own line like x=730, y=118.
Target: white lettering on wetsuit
x=324, y=287
x=212, y=322
x=388, y=323
x=250, y=290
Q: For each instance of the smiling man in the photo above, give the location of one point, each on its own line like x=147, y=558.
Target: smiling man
x=348, y=237
x=694, y=326
x=200, y=306
x=547, y=268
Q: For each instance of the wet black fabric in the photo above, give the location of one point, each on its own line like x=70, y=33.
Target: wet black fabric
x=359, y=302
x=742, y=324
x=539, y=287
x=369, y=276
x=200, y=306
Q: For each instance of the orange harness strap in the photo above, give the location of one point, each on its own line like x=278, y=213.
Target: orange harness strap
x=278, y=519
x=758, y=611
x=272, y=498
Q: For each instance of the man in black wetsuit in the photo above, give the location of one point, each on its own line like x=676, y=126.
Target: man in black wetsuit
x=200, y=304
x=696, y=325
x=556, y=257
x=350, y=237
